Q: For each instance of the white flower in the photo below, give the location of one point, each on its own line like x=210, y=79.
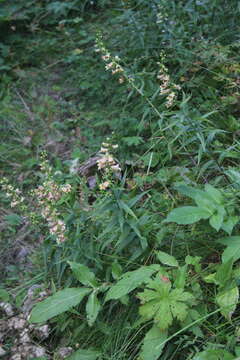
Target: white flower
x=104, y=185
x=109, y=66
x=116, y=168
x=66, y=188
x=103, y=150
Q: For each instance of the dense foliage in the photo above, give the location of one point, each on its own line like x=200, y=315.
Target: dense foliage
x=121, y=176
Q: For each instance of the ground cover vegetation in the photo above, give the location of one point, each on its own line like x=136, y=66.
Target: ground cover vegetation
x=120, y=179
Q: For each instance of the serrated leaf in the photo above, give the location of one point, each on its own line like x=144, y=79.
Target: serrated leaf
x=227, y=300
x=162, y=304
x=150, y=349
x=166, y=259
x=82, y=354
x=93, y=307
x=179, y=310
x=58, y=303
x=187, y=215
x=129, y=281
x=132, y=140
x=83, y=274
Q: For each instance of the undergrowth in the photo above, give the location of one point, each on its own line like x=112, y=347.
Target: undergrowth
x=120, y=175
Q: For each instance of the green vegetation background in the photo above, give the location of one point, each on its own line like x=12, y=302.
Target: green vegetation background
x=170, y=101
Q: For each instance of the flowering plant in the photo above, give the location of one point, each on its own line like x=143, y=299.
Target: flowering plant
x=45, y=199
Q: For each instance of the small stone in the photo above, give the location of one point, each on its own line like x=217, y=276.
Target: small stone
x=64, y=352
x=7, y=308
x=16, y=357
x=17, y=323
x=38, y=351
x=42, y=332
x=24, y=337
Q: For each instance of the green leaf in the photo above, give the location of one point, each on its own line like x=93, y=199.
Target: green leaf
x=127, y=209
x=162, y=304
x=229, y=224
x=133, y=140
x=58, y=303
x=82, y=354
x=215, y=194
x=205, y=202
x=233, y=248
x=234, y=176
x=187, y=215
x=218, y=354
x=150, y=349
x=93, y=307
x=116, y=270
x=180, y=279
x=4, y=295
x=13, y=219
x=216, y=220
x=129, y=281
x=210, y=279
x=151, y=159
x=83, y=274
x=166, y=259
x=189, y=191
x=224, y=272
x=227, y=300
x=194, y=261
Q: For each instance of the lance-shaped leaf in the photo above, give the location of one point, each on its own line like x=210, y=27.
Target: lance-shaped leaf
x=83, y=274
x=188, y=215
x=151, y=349
x=58, y=303
x=166, y=259
x=130, y=281
x=93, y=307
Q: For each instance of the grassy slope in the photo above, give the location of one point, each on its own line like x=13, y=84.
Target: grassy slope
x=62, y=101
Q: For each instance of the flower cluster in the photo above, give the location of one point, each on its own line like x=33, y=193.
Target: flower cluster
x=47, y=195
x=51, y=192
x=162, y=15
x=14, y=194
x=107, y=164
x=167, y=87
x=112, y=62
